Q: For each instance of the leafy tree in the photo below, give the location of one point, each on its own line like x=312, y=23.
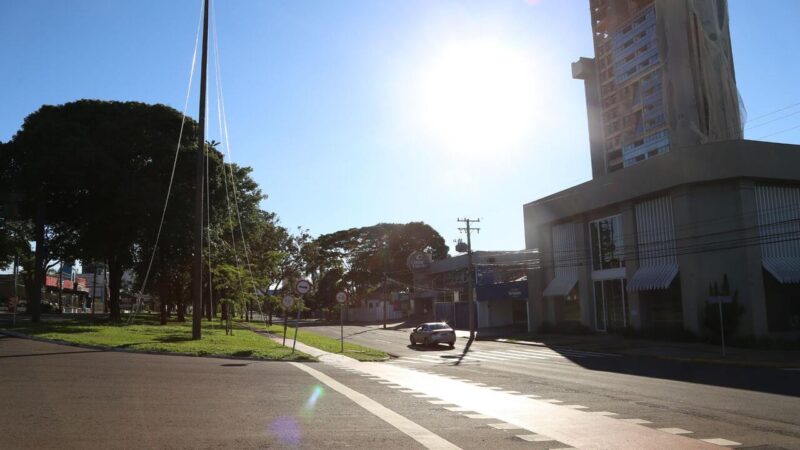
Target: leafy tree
x=365, y=255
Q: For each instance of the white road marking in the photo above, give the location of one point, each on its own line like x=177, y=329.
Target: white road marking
x=534, y=438
x=457, y=409
x=552, y=400
x=439, y=402
x=568, y=426
x=576, y=406
x=721, y=442
x=636, y=421
x=603, y=413
x=675, y=430
x=422, y=435
x=504, y=426
x=478, y=416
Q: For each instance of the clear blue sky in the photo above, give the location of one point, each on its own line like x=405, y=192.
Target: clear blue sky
x=341, y=108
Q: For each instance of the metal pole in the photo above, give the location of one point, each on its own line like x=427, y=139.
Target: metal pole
x=384, y=301
x=341, y=324
x=469, y=286
x=285, y=319
x=721, y=326
x=296, y=324
x=197, y=265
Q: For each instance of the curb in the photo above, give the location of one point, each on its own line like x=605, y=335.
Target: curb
x=142, y=352
x=268, y=335
x=716, y=361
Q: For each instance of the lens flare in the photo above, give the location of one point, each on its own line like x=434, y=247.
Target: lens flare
x=286, y=429
x=315, y=395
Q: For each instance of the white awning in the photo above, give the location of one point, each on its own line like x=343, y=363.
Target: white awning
x=649, y=278
x=784, y=269
x=561, y=285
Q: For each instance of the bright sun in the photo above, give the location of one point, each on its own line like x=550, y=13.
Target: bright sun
x=478, y=98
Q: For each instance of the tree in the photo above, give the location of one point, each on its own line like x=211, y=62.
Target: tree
x=93, y=176
x=367, y=255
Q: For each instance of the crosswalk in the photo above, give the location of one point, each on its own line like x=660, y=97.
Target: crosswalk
x=543, y=354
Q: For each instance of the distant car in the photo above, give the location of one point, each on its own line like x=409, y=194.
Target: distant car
x=433, y=333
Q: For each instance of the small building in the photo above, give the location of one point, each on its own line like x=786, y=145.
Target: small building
x=440, y=289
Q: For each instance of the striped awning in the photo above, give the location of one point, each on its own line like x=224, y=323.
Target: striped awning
x=649, y=278
x=784, y=269
x=561, y=285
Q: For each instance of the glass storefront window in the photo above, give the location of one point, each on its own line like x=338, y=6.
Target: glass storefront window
x=607, y=244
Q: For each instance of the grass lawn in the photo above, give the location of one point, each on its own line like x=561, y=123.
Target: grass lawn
x=146, y=334
x=331, y=345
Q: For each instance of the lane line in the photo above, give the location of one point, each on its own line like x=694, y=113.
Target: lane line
x=636, y=421
x=420, y=434
x=534, y=438
x=721, y=442
x=504, y=426
x=675, y=430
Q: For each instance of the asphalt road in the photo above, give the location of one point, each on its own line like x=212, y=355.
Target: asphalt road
x=748, y=406
x=505, y=396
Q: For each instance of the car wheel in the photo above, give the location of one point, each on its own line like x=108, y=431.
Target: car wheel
x=412, y=341
x=451, y=344
x=427, y=342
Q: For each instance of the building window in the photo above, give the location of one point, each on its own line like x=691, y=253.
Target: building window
x=607, y=244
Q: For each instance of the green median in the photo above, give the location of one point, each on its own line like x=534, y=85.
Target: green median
x=331, y=345
x=147, y=335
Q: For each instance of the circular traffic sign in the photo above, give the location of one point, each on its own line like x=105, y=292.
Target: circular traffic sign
x=341, y=297
x=288, y=301
x=302, y=287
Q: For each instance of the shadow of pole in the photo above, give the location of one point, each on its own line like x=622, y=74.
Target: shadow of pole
x=466, y=350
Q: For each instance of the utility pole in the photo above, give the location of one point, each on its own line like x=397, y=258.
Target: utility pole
x=384, y=300
x=470, y=294
x=197, y=265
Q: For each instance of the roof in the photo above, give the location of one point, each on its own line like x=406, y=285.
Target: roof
x=680, y=166
x=460, y=262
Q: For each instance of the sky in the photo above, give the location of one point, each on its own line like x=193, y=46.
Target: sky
x=353, y=112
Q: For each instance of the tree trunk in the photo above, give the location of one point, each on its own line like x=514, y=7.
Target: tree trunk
x=163, y=308
x=115, y=285
x=40, y=264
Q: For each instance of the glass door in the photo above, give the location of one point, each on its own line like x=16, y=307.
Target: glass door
x=609, y=305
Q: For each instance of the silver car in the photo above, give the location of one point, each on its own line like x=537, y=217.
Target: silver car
x=433, y=333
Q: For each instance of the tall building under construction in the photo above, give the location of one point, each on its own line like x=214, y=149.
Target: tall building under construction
x=662, y=77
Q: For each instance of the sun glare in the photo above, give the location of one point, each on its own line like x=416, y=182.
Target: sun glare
x=478, y=98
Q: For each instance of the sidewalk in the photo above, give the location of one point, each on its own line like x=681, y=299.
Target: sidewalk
x=679, y=351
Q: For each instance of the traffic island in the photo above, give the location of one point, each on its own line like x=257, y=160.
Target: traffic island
x=146, y=335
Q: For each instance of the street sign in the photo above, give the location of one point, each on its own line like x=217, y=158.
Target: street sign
x=288, y=301
x=341, y=297
x=302, y=287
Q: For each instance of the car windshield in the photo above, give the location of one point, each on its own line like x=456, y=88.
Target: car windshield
x=439, y=326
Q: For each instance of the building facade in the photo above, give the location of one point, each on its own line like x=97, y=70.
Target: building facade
x=501, y=289
x=662, y=77
x=679, y=205
x=641, y=248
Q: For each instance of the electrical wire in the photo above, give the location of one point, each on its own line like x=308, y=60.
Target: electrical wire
x=174, y=165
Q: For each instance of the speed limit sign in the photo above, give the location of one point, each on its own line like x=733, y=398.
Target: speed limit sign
x=341, y=297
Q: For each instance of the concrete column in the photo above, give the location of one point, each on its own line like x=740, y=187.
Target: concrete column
x=631, y=262
x=692, y=284
x=751, y=284
x=583, y=243
x=539, y=238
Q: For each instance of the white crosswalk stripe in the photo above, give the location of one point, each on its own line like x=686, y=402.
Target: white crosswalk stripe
x=537, y=354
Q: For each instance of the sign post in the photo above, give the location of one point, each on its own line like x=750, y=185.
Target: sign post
x=288, y=301
x=341, y=298
x=719, y=300
x=301, y=288
x=12, y=305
